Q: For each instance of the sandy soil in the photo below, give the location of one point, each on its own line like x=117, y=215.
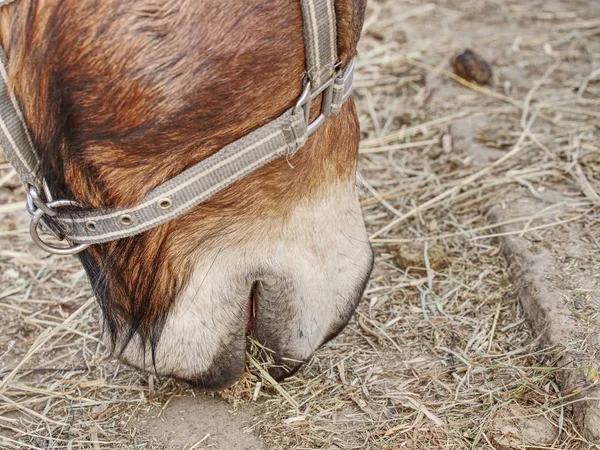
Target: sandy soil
x=438, y=358
x=222, y=427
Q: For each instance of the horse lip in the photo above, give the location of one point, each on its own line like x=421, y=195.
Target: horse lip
x=250, y=311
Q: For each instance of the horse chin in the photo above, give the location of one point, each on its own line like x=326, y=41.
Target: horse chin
x=304, y=278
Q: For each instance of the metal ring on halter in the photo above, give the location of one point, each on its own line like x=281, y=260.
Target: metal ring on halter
x=37, y=218
x=307, y=97
x=33, y=196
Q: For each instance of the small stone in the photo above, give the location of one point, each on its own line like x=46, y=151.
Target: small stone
x=472, y=67
x=577, y=305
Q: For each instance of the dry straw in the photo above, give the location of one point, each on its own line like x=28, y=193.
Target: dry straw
x=433, y=354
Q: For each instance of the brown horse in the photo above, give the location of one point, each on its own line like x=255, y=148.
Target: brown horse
x=120, y=96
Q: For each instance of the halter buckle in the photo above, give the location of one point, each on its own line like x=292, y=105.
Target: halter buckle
x=307, y=97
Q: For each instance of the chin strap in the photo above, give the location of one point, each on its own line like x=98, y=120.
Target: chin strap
x=284, y=136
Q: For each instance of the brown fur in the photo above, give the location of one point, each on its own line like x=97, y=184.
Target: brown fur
x=121, y=96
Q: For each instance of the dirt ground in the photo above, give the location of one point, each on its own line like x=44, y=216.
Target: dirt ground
x=439, y=354
x=559, y=291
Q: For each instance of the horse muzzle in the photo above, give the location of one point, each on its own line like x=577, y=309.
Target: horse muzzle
x=291, y=288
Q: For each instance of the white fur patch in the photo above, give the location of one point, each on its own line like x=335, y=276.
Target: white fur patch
x=310, y=270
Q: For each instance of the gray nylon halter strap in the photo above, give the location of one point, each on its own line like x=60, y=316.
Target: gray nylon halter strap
x=283, y=136
x=15, y=139
x=320, y=40
x=14, y=136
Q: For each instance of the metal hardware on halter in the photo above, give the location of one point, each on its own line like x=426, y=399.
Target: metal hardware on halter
x=38, y=208
x=306, y=99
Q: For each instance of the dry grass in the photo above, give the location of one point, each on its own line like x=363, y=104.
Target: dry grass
x=432, y=354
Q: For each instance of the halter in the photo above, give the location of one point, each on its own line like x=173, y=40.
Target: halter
x=284, y=136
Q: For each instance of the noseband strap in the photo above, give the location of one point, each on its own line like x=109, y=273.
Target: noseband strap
x=284, y=136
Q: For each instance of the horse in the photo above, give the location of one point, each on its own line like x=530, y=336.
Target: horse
x=121, y=96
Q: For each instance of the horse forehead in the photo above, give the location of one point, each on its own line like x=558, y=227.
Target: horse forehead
x=148, y=90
